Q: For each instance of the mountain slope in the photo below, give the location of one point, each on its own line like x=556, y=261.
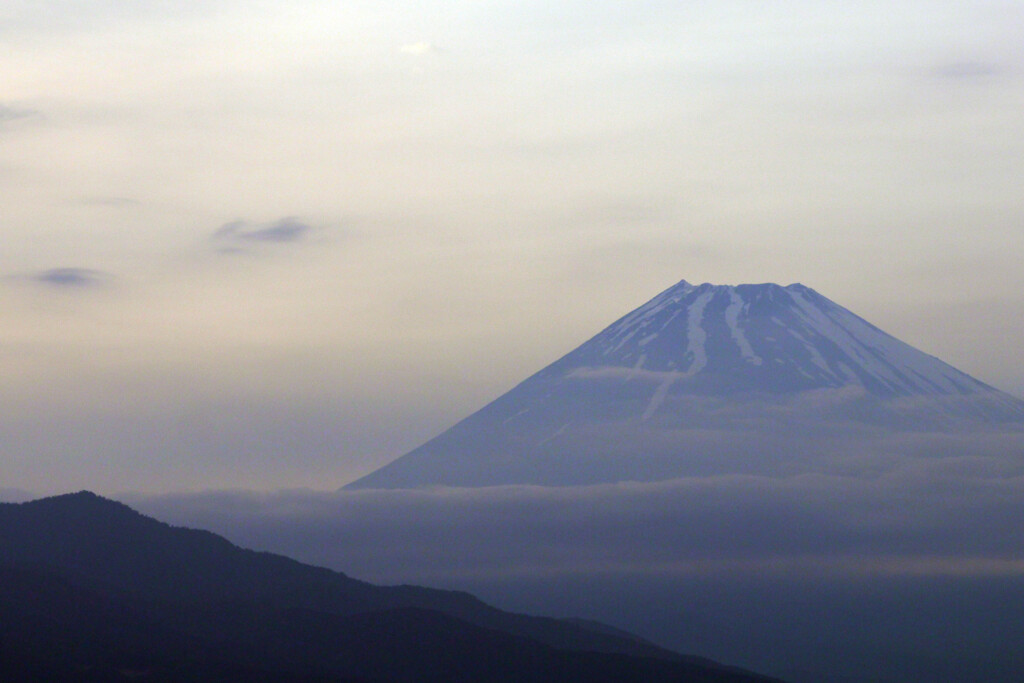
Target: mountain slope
x=90, y=589
x=694, y=380
x=723, y=340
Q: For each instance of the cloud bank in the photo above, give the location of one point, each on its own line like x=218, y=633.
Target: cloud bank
x=955, y=514
x=812, y=578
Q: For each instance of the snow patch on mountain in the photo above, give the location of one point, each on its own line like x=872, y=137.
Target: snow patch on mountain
x=732, y=314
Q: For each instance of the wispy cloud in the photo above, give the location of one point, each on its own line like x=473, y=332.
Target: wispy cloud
x=69, y=278
x=967, y=70
x=237, y=235
x=112, y=201
x=420, y=48
x=8, y=113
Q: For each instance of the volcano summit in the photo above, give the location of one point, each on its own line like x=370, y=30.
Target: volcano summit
x=714, y=379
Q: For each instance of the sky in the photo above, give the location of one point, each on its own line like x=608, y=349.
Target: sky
x=275, y=245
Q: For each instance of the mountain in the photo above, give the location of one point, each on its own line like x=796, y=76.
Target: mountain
x=90, y=590
x=707, y=379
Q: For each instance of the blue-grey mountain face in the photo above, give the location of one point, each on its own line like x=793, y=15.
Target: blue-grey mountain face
x=722, y=340
x=707, y=379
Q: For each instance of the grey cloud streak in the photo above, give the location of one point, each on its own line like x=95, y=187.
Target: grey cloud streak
x=109, y=201
x=966, y=70
x=69, y=278
x=281, y=231
x=8, y=113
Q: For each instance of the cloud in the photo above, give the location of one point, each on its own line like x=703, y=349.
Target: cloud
x=8, y=113
x=955, y=513
x=111, y=201
x=966, y=70
x=421, y=48
x=616, y=372
x=237, y=235
x=69, y=278
x=924, y=556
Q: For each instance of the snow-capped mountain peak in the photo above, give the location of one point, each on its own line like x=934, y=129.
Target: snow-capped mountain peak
x=710, y=379
x=724, y=339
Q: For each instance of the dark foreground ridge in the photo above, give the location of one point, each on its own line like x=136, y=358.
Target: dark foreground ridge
x=91, y=590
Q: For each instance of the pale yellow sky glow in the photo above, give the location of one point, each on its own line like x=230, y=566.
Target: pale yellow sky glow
x=478, y=188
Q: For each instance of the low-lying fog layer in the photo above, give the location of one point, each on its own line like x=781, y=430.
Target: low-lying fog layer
x=946, y=517
x=915, y=566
